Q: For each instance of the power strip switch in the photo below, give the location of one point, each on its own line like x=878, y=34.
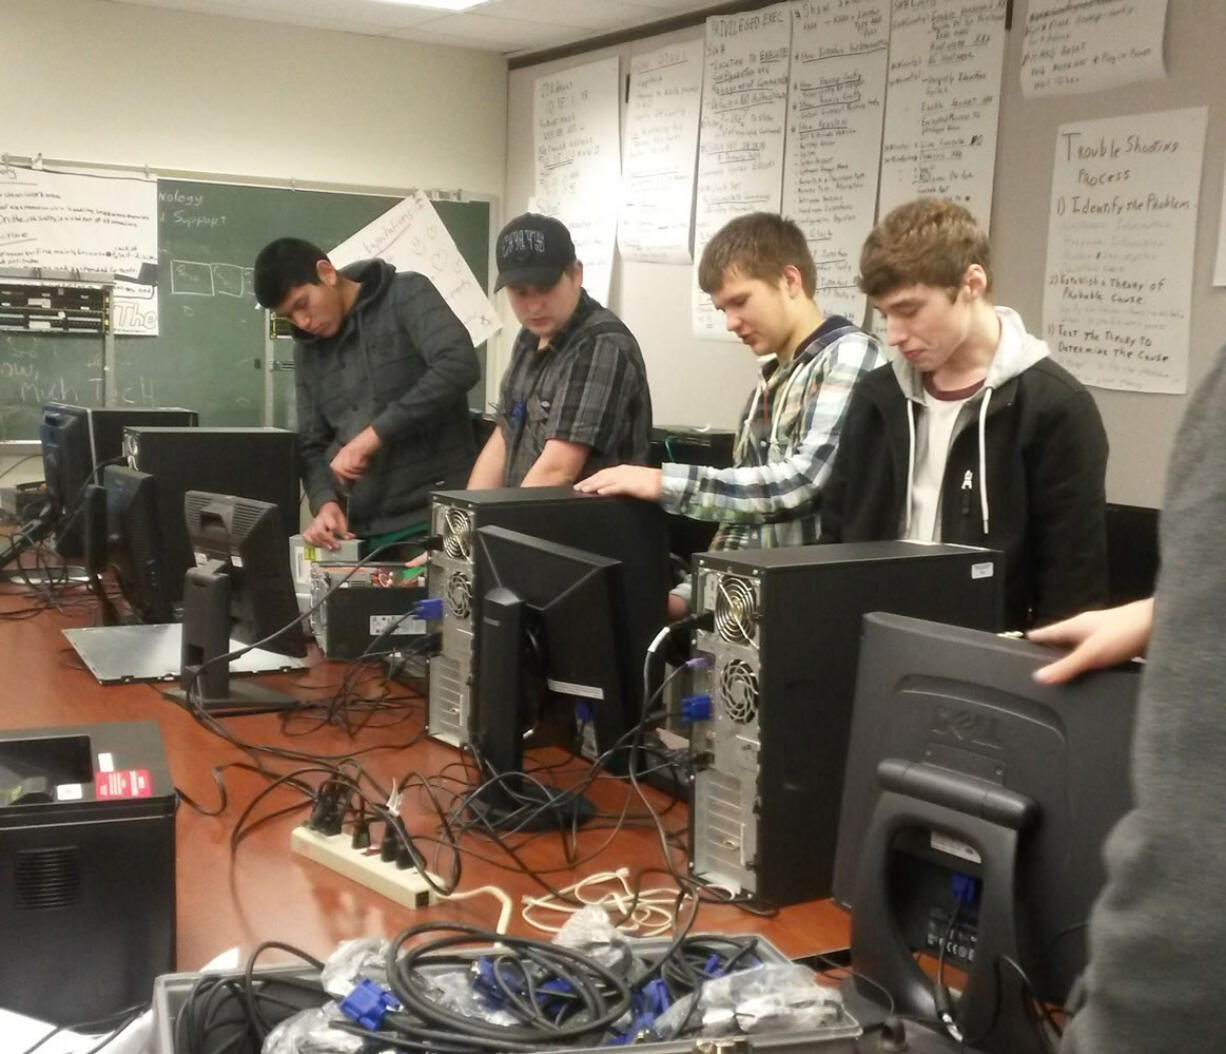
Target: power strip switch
x=405, y=886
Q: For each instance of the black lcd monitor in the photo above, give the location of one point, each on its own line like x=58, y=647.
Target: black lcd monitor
x=975, y=807
x=241, y=590
x=554, y=618
x=134, y=545
x=68, y=464
x=77, y=443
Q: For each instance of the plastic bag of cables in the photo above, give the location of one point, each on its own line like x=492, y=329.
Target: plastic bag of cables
x=364, y=958
x=545, y=995
x=782, y=997
x=311, y=1032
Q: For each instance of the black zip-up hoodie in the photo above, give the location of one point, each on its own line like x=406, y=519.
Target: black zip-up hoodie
x=403, y=363
x=1033, y=433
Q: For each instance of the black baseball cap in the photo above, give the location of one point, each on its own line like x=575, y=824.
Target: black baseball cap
x=533, y=250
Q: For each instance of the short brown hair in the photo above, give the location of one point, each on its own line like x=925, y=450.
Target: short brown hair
x=924, y=242
x=757, y=245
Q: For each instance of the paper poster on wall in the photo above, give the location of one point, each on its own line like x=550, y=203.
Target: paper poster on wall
x=741, y=133
x=943, y=103
x=836, y=104
x=1121, y=234
x=1219, y=267
x=660, y=154
x=411, y=237
x=1089, y=45
x=105, y=225
x=578, y=162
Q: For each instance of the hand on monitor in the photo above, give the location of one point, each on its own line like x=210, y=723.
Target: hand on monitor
x=633, y=481
x=328, y=526
x=1098, y=639
x=353, y=458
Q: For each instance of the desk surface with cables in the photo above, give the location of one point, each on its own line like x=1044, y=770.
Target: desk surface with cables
x=250, y=781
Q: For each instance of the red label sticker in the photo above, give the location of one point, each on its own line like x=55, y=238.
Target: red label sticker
x=127, y=783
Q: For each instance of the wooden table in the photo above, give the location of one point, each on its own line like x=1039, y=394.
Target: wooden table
x=261, y=891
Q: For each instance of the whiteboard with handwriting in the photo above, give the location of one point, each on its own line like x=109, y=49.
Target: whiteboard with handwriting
x=741, y=133
x=578, y=162
x=659, y=157
x=1125, y=198
x=946, y=64
x=836, y=104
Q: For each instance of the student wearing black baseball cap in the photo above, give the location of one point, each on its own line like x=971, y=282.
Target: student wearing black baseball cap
x=574, y=398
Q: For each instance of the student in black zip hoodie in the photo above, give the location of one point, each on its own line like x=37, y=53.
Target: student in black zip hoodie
x=382, y=370
x=972, y=434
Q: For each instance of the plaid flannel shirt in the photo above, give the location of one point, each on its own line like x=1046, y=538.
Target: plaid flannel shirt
x=771, y=496
x=587, y=386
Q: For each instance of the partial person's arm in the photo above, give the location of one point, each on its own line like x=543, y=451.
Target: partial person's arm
x=490, y=464
x=560, y=463
x=780, y=489
x=1068, y=511
x=1098, y=638
x=444, y=344
x=329, y=525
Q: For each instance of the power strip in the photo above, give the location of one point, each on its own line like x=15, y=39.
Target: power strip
x=403, y=885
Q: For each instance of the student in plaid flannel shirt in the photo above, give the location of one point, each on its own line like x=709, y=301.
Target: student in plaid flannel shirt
x=759, y=272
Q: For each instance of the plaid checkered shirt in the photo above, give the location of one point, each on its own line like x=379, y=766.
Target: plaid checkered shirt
x=785, y=446
x=587, y=386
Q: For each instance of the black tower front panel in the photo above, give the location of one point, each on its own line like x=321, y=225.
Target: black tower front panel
x=783, y=651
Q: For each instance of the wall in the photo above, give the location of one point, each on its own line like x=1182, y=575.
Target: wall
x=696, y=382
x=90, y=80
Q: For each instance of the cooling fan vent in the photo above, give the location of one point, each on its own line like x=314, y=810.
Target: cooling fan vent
x=736, y=610
x=459, y=594
x=738, y=691
x=457, y=534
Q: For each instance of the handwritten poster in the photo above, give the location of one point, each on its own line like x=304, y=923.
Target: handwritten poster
x=1125, y=194
x=942, y=103
x=411, y=237
x=71, y=222
x=578, y=162
x=1088, y=45
x=659, y=159
x=836, y=104
x=1219, y=266
x=741, y=133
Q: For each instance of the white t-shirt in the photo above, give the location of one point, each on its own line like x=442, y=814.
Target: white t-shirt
x=933, y=434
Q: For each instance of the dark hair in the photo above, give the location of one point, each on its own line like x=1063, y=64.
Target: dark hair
x=757, y=245
x=282, y=265
x=927, y=241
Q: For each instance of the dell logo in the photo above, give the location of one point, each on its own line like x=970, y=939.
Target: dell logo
x=966, y=726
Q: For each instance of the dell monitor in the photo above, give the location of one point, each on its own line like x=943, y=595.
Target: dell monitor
x=134, y=546
x=559, y=613
x=241, y=589
x=975, y=806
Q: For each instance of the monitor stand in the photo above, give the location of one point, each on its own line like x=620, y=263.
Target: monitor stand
x=204, y=681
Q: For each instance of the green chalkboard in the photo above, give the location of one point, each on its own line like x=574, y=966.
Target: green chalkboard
x=208, y=354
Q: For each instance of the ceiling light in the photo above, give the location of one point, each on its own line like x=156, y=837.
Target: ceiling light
x=438, y=5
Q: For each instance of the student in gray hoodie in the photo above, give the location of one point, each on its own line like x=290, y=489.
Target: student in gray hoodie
x=382, y=367
x=972, y=434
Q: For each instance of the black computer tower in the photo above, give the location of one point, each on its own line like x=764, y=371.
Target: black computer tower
x=633, y=532
x=258, y=463
x=87, y=869
x=103, y=431
x=783, y=649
